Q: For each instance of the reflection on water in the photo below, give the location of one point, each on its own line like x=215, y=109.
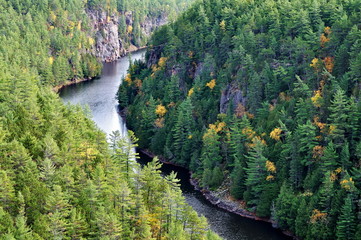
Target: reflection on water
x=99, y=95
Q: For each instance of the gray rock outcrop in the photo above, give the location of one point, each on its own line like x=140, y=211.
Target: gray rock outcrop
x=231, y=95
x=151, y=23
x=108, y=45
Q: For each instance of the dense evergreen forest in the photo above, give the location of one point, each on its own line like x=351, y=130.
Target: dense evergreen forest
x=49, y=39
x=260, y=98
x=59, y=177
x=56, y=37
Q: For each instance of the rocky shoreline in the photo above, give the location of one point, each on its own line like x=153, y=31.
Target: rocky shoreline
x=229, y=205
x=133, y=48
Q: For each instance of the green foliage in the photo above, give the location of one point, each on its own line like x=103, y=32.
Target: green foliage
x=283, y=75
x=256, y=173
x=346, y=222
x=48, y=38
x=59, y=178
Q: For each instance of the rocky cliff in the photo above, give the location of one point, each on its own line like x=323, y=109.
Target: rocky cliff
x=108, y=46
x=108, y=43
x=151, y=23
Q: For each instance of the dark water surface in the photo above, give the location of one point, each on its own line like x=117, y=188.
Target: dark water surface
x=99, y=95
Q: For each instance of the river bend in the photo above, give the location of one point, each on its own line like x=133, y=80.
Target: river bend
x=99, y=95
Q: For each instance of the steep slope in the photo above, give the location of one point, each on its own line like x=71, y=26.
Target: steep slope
x=122, y=26
x=261, y=98
x=59, y=178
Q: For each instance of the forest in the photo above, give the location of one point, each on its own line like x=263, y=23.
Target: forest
x=56, y=39
x=143, y=11
x=59, y=177
x=261, y=99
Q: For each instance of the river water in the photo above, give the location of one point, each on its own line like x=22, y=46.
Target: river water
x=99, y=95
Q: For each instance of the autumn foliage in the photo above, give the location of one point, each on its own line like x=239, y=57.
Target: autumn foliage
x=276, y=134
x=211, y=84
x=160, y=110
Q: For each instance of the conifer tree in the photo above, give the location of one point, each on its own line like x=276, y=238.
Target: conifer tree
x=256, y=172
x=302, y=219
x=346, y=221
x=340, y=110
x=329, y=158
x=78, y=227
x=283, y=207
x=182, y=132
x=22, y=231
x=306, y=139
x=108, y=225
x=57, y=208
x=7, y=192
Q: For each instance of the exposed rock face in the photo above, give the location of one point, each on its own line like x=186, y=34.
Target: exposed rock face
x=151, y=23
x=108, y=46
x=231, y=95
x=154, y=55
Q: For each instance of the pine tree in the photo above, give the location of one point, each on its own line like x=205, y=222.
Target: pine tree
x=211, y=150
x=256, y=172
x=108, y=225
x=238, y=177
x=48, y=171
x=182, y=131
x=283, y=206
x=124, y=154
x=122, y=96
x=6, y=222
x=339, y=117
x=22, y=232
x=329, y=158
x=78, y=227
x=90, y=202
x=306, y=134
x=7, y=192
x=326, y=192
x=302, y=219
x=172, y=90
x=147, y=124
x=57, y=207
x=345, y=156
x=217, y=177
x=237, y=155
x=346, y=222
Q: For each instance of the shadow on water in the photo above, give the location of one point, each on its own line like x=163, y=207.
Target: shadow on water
x=228, y=225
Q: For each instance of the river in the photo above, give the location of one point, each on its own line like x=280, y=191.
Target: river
x=99, y=95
